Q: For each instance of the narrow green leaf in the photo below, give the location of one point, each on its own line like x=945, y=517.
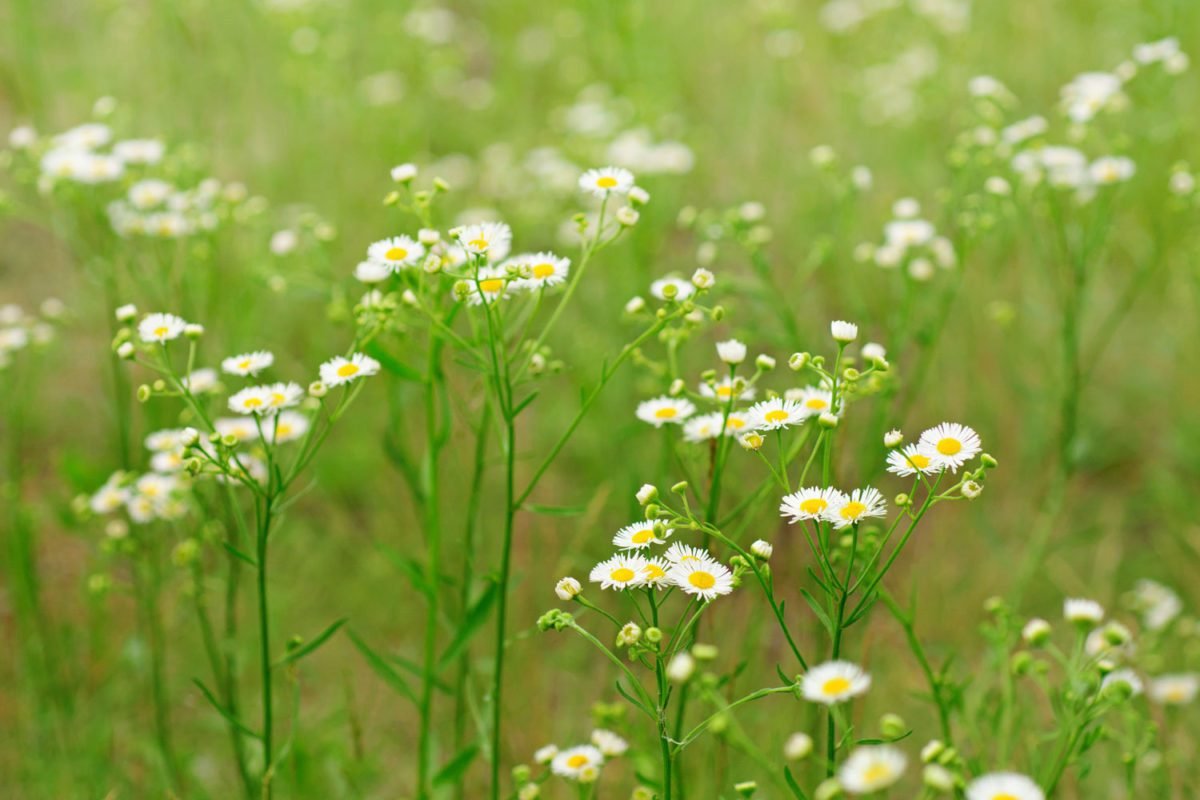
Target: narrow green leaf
x=456, y=766
x=476, y=615
x=521, y=405
x=305, y=649
x=233, y=551
x=224, y=712
x=820, y=612
x=381, y=667
x=795, y=787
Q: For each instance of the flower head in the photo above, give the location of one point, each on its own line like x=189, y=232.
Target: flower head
x=950, y=445
x=161, y=327
x=1004, y=786
x=662, y=410
x=338, y=370
x=912, y=459
x=809, y=503
x=834, y=682
x=619, y=572
x=853, y=509
x=704, y=578
x=605, y=180
x=636, y=536
x=247, y=363
x=574, y=762
x=395, y=253
x=872, y=768
x=776, y=414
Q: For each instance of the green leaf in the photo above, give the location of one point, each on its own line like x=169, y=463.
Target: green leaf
x=795, y=787
x=305, y=649
x=224, y=712
x=456, y=766
x=476, y=615
x=233, y=551
x=820, y=612
x=381, y=667
x=393, y=364
x=521, y=405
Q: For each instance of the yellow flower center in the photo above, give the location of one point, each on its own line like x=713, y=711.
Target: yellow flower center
x=161, y=330
x=606, y=182
x=244, y=364
x=577, y=761
x=737, y=423
x=252, y=402
x=492, y=285
x=283, y=429
x=1175, y=694
x=688, y=557
x=724, y=391
x=852, y=510
x=621, y=574
x=666, y=412
x=543, y=271
x=815, y=403
x=277, y=398
x=702, y=580
x=919, y=461
x=948, y=446
x=396, y=254
x=479, y=243
x=814, y=505
x=346, y=370
x=877, y=772
x=778, y=415
x=642, y=536
x=835, y=686
x=654, y=572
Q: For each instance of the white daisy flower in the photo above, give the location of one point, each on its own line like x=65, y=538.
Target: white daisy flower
x=1004, y=786
x=247, y=363
x=810, y=503
x=251, y=400
x=545, y=754
x=662, y=410
x=723, y=389
x=164, y=440
x=951, y=445
x=636, y=536
x=737, y=423
x=491, y=239
x=843, y=331
x=490, y=284
x=600, y=182
x=619, y=572
x=372, y=272
x=1108, y=170
x=703, y=427
x=776, y=414
x=703, y=578
x=200, y=381
x=912, y=459
x=678, y=553
x=872, y=768
x=731, y=351
x=543, y=269
x=566, y=588
x=241, y=429
x=109, y=497
x=682, y=289
x=610, y=744
x=171, y=461
x=813, y=400
x=149, y=193
x=161, y=327
x=283, y=395
x=861, y=504
x=834, y=682
x=396, y=253
x=338, y=370
x=1174, y=690
x=574, y=762
x=139, y=151
x=1077, y=609
x=655, y=572
x=289, y=426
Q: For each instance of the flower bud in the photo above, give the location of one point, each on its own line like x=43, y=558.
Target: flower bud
x=317, y=389
x=567, y=588
x=798, y=746
x=971, y=490
x=931, y=751
x=627, y=216
x=892, y=726
x=704, y=652
x=843, y=332
x=764, y=362
x=762, y=549
x=631, y=633
x=731, y=352
x=828, y=789
x=938, y=778
x=828, y=420
x=635, y=305
x=1036, y=632
x=799, y=361
x=751, y=441
x=893, y=438
x=125, y=350
x=703, y=279
x=681, y=668
x=143, y=393
x=638, y=196
x=126, y=313
x=745, y=788
x=404, y=173
x=193, y=330
x=647, y=494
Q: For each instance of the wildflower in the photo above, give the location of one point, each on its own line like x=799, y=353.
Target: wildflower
x=893, y=438
x=396, y=253
x=490, y=284
x=762, y=549
x=1111, y=169
x=600, y=182
x=704, y=578
x=247, y=363
x=1004, y=786
x=777, y=414
x=997, y=186
x=671, y=289
x=859, y=505
x=655, y=572
x=608, y=743
x=862, y=178
x=751, y=441
x=798, y=746
x=290, y=425
x=813, y=400
x=950, y=445
x=1089, y=93
x=545, y=754
x=339, y=370
x=638, y=196
x=1083, y=611
x=629, y=634
x=544, y=269
x=662, y=410
x=648, y=493
x=873, y=352
x=240, y=430
x=1158, y=604
x=619, y=572
x=872, y=768
x=809, y=503
x=403, y=173
x=681, y=667
x=971, y=489
x=530, y=791
x=679, y=553
x=1036, y=632
x=1123, y=678
x=731, y=351
x=572, y=762
x=491, y=239
x=627, y=216
x=1174, y=690
x=834, y=682
x=139, y=151
x=200, y=381
x=126, y=313
x=703, y=279
x=567, y=588
x=161, y=328
x=636, y=536
x=938, y=778
x=726, y=388
x=843, y=331
x=911, y=460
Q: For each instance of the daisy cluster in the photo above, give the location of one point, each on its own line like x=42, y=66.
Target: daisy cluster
x=579, y=763
x=910, y=243
x=20, y=330
x=690, y=569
